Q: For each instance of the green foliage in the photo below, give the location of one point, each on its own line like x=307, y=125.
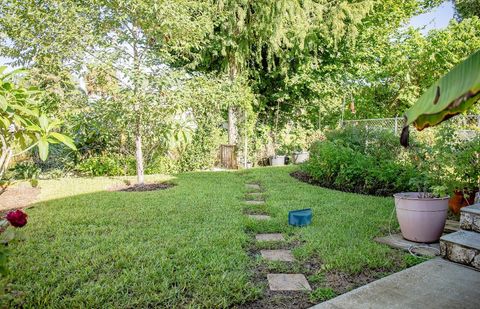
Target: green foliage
x=454, y=93
x=22, y=125
x=322, y=294
x=356, y=160
x=467, y=8
x=107, y=165
x=26, y=170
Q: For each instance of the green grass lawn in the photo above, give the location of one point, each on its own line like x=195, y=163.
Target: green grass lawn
x=187, y=246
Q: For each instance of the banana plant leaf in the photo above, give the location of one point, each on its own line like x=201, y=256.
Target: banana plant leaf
x=454, y=93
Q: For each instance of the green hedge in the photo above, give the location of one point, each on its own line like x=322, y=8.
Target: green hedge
x=357, y=161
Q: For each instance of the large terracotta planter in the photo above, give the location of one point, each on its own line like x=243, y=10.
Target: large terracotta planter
x=421, y=219
x=458, y=200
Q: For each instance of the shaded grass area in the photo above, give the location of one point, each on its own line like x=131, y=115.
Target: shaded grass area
x=190, y=245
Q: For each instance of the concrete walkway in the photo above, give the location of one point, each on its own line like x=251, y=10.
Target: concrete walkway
x=436, y=283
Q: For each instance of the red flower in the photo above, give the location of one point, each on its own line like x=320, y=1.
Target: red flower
x=17, y=218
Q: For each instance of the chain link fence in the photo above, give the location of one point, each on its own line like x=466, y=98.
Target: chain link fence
x=465, y=125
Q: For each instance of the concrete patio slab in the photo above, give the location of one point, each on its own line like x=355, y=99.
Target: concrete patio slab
x=270, y=237
x=288, y=282
x=255, y=202
x=278, y=255
x=436, y=283
x=259, y=217
x=397, y=241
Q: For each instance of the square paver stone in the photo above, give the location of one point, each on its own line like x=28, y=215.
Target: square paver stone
x=260, y=217
x=288, y=282
x=255, y=202
x=270, y=237
x=278, y=255
x=253, y=186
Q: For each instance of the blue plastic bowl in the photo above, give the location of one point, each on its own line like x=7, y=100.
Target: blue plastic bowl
x=300, y=217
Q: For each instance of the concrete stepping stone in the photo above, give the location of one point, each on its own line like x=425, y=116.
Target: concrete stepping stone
x=255, y=202
x=278, y=255
x=260, y=217
x=252, y=186
x=288, y=282
x=270, y=237
x=252, y=194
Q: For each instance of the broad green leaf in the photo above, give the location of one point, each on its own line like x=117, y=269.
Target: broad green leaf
x=64, y=139
x=454, y=93
x=3, y=103
x=43, y=120
x=43, y=148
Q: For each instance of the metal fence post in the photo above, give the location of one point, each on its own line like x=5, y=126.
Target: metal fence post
x=396, y=125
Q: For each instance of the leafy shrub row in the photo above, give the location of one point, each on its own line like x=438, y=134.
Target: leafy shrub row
x=357, y=161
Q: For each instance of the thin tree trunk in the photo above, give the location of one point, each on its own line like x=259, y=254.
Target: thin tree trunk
x=232, y=119
x=139, y=153
x=138, y=120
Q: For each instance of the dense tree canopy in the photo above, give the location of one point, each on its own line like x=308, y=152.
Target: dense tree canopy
x=124, y=73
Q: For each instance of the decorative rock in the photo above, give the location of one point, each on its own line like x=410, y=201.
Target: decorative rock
x=466, y=221
x=460, y=254
x=259, y=217
x=462, y=247
x=278, y=255
x=255, y=202
x=288, y=282
x=470, y=218
x=476, y=262
x=269, y=237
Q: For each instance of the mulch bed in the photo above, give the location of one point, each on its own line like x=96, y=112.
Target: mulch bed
x=144, y=187
x=304, y=177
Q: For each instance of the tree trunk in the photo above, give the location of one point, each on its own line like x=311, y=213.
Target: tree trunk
x=138, y=120
x=232, y=119
x=139, y=155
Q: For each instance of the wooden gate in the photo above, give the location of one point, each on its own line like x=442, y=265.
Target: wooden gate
x=228, y=156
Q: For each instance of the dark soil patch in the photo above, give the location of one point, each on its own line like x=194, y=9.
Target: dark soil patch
x=18, y=197
x=143, y=188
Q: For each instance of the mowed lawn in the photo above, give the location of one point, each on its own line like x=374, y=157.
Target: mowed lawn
x=186, y=246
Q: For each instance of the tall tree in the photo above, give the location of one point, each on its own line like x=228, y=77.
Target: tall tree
x=268, y=35
x=132, y=39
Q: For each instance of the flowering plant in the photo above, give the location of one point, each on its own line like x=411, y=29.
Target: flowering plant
x=17, y=219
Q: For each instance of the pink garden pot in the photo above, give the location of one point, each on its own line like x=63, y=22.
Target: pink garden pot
x=421, y=219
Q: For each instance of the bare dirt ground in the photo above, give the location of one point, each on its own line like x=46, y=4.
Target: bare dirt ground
x=19, y=196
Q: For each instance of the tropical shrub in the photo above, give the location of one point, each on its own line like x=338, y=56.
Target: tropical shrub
x=107, y=165
x=355, y=160
x=22, y=125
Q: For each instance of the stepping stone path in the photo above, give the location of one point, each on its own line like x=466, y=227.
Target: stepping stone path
x=255, y=202
x=270, y=237
x=253, y=186
x=278, y=255
x=288, y=282
x=260, y=217
x=276, y=282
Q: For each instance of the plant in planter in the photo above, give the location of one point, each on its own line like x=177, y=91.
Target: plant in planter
x=279, y=158
x=422, y=214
